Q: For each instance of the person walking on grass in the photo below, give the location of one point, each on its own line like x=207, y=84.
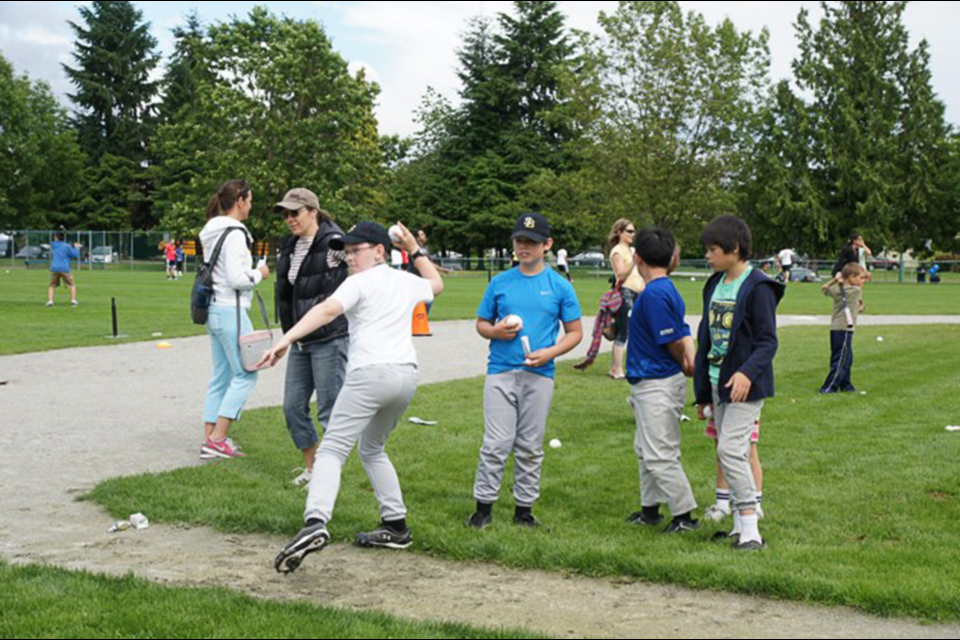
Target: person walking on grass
x=234, y=279
x=309, y=271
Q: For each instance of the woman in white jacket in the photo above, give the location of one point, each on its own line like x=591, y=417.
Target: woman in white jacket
x=230, y=385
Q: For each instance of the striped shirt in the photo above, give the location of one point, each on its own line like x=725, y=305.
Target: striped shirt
x=299, y=255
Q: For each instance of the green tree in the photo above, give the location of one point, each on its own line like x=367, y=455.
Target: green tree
x=277, y=106
x=40, y=159
x=670, y=108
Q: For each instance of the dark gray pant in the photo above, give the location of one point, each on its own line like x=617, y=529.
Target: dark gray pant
x=515, y=409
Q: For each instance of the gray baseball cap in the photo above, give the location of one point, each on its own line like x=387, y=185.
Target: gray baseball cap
x=297, y=199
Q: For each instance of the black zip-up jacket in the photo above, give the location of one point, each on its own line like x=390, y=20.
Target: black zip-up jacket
x=753, y=339
x=319, y=276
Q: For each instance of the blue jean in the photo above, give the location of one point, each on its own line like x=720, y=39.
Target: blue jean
x=230, y=385
x=623, y=316
x=320, y=367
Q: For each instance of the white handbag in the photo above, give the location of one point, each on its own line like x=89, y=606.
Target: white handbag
x=254, y=345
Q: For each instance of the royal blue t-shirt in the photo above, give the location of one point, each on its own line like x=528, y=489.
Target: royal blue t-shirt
x=63, y=253
x=542, y=301
x=657, y=320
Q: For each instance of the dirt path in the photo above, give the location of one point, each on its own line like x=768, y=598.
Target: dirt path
x=73, y=418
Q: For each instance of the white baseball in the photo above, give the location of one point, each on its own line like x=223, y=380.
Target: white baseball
x=555, y=444
x=708, y=412
x=693, y=279
x=879, y=338
x=513, y=320
x=396, y=233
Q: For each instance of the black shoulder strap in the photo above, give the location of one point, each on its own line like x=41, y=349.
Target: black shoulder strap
x=216, y=250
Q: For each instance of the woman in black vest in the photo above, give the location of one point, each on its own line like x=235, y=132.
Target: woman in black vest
x=308, y=272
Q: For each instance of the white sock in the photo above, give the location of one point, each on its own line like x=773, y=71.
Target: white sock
x=749, y=529
x=723, y=499
x=736, y=523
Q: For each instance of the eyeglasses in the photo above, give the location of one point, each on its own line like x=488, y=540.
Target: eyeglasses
x=356, y=250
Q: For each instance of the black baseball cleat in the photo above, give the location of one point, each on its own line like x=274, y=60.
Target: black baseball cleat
x=679, y=526
x=725, y=536
x=385, y=538
x=641, y=519
x=526, y=520
x=750, y=545
x=479, y=520
x=309, y=539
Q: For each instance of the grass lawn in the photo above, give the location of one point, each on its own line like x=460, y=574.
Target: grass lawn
x=39, y=602
x=862, y=492
x=149, y=304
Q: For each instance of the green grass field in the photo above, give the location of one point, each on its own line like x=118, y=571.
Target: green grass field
x=149, y=304
x=861, y=492
x=39, y=602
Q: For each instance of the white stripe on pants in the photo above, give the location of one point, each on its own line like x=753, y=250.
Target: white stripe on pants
x=367, y=410
x=515, y=409
x=735, y=424
x=658, y=406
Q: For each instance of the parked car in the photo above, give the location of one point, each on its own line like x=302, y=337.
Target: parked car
x=33, y=252
x=589, y=259
x=888, y=265
x=801, y=274
x=104, y=255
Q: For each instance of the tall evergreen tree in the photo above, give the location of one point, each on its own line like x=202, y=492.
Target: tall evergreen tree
x=115, y=55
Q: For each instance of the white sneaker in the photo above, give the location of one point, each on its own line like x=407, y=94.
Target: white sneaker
x=74, y=303
x=302, y=480
x=49, y=304
x=716, y=514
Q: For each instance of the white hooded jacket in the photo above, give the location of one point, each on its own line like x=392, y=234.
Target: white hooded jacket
x=234, y=270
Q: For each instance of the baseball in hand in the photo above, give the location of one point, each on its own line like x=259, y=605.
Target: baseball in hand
x=513, y=321
x=396, y=234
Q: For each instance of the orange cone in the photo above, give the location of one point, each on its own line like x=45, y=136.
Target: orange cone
x=421, y=324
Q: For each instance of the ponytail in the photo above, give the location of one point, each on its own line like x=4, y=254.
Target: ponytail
x=226, y=197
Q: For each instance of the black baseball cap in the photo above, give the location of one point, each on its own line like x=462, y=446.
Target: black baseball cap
x=531, y=226
x=371, y=232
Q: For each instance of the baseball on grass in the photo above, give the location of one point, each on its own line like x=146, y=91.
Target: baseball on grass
x=396, y=233
x=879, y=338
x=555, y=444
x=513, y=320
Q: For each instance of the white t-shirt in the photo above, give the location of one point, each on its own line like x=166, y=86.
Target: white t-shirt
x=562, y=258
x=396, y=258
x=379, y=305
x=786, y=258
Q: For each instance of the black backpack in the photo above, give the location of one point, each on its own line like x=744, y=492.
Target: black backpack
x=202, y=294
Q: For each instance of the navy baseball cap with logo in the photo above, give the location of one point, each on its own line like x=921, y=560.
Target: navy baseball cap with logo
x=531, y=226
x=363, y=232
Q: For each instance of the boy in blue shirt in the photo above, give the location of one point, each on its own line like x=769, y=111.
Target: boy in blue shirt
x=521, y=314
x=737, y=343
x=63, y=253
x=660, y=357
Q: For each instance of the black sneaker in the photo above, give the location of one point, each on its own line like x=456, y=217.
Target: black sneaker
x=310, y=539
x=526, y=520
x=640, y=519
x=682, y=526
x=385, y=538
x=751, y=545
x=725, y=536
x=479, y=520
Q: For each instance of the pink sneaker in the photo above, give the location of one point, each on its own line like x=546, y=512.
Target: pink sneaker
x=225, y=449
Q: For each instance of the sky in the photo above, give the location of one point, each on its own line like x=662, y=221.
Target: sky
x=408, y=46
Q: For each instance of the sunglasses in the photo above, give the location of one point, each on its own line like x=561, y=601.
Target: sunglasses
x=287, y=213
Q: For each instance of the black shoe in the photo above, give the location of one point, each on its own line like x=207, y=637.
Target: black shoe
x=640, y=519
x=724, y=536
x=752, y=545
x=685, y=525
x=310, y=539
x=526, y=520
x=385, y=538
x=479, y=520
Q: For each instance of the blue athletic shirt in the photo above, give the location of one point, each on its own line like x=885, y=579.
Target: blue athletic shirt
x=656, y=321
x=542, y=301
